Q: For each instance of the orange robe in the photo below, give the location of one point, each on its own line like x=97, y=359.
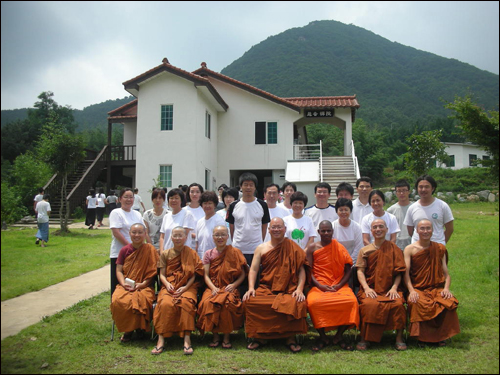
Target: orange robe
x=175, y=315
x=273, y=313
x=132, y=310
x=381, y=268
x=224, y=311
x=432, y=318
x=329, y=310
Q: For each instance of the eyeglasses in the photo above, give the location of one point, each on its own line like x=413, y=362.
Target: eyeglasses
x=220, y=235
x=401, y=191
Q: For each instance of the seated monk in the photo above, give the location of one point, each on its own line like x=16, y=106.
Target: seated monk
x=131, y=306
x=432, y=307
x=331, y=303
x=380, y=266
x=220, y=309
x=277, y=309
x=180, y=274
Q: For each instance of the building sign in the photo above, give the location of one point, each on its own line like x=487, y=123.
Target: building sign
x=319, y=113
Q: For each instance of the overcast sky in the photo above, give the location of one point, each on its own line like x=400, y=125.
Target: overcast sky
x=83, y=51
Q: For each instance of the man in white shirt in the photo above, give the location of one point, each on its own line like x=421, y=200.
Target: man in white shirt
x=399, y=210
x=138, y=201
x=271, y=194
x=361, y=206
x=322, y=210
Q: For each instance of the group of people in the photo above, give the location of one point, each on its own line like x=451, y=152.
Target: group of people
x=266, y=265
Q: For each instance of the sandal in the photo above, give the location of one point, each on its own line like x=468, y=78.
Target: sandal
x=214, y=344
x=293, y=347
x=401, y=346
x=259, y=345
x=320, y=344
x=157, y=351
x=442, y=344
x=187, y=350
x=362, y=346
x=226, y=345
x=127, y=337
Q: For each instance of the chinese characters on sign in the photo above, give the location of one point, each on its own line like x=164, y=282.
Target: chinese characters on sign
x=319, y=113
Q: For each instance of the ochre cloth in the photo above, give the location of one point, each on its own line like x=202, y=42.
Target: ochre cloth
x=273, y=313
x=223, y=312
x=132, y=310
x=432, y=318
x=177, y=315
x=329, y=310
x=381, y=268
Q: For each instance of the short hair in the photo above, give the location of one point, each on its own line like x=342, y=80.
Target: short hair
x=178, y=228
x=178, y=192
x=344, y=186
x=364, y=179
x=420, y=220
x=271, y=185
x=46, y=196
x=124, y=190
x=209, y=196
x=138, y=223
x=136, y=190
x=188, y=195
x=41, y=190
x=429, y=179
x=402, y=183
x=247, y=176
x=91, y=192
x=156, y=192
x=343, y=202
x=376, y=192
x=222, y=186
x=287, y=184
x=299, y=196
x=232, y=192
x=325, y=185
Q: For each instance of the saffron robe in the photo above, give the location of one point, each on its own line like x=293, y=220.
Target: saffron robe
x=329, y=310
x=133, y=310
x=273, y=313
x=381, y=268
x=432, y=318
x=224, y=311
x=175, y=315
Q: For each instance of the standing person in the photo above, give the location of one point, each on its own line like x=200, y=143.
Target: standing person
x=271, y=194
x=248, y=218
x=399, y=210
x=205, y=226
x=193, y=197
x=380, y=267
x=175, y=218
x=228, y=196
x=377, y=201
x=361, y=206
x=38, y=198
x=299, y=228
x=288, y=189
x=220, y=204
x=42, y=211
x=344, y=190
x=120, y=221
x=428, y=207
x=346, y=231
x=101, y=206
x=431, y=305
x=111, y=201
x=322, y=210
x=91, y=203
x=138, y=201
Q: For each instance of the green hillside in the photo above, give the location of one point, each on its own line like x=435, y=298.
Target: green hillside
x=395, y=84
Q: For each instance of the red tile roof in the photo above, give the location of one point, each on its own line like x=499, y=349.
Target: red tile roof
x=126, y=109
x=325, y=102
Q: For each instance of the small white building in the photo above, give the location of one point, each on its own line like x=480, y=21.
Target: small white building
x=205, y=127
x=464, y=155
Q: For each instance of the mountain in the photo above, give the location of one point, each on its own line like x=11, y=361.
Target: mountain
x=394, y=84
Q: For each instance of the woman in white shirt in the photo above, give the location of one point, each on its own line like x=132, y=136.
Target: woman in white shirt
x=377, y=201
x=91, y=203
x=101, y=206
x=178, y=217
x=42, y=211
x=299, y=228
x=205, y=226
x=346, y=231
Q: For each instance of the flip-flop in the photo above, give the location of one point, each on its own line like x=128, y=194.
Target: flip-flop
x=127, y=337
x=186, y=350
x=226, y=345
x=294, y=345
x=320, y=345
x=214, y=344
x=362, y=346
x=157, y=351
x=345, y=345
x=442, y=344
x=401, y=346
x=259, y=345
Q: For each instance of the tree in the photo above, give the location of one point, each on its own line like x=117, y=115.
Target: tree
x=424, y=151
x=478, y=126
x=61, y=150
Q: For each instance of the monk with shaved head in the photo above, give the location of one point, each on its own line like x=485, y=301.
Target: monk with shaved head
x=380, y=268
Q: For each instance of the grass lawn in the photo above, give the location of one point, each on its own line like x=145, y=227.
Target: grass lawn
x=77, y=340
x=27, y=267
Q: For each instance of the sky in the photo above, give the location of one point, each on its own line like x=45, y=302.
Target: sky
x=84, y=51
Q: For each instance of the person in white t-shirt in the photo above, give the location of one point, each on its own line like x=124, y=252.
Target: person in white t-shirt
x=193, y=205
x=430, y=208
x=178, y=217
x=101, y=206
x=322, y=210
x=91, y=209
x=229, y=195
x=42, y=211
x=299, y=227
x=361, y=206
x=205, y=226
x=38, y=197
x=346, y=231
x=271, y=194
x=399, y=210
x=288, y=189
x=138, y=201
x=377, y=201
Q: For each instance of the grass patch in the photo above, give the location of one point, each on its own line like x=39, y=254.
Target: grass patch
x=77, y=340
x=27, y=267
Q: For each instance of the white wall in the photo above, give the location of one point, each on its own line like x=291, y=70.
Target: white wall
x=461, y=151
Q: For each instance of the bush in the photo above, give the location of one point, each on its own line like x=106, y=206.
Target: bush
x=78, y=213
x=12, y=206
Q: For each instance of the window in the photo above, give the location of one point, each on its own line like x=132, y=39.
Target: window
x=266, y=133
x=166, y=176
x=451, y=161
x=167, y=117
x=472, y=160
x=207, y=179
x=208, y=119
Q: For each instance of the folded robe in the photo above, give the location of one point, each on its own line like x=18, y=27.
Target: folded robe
x=432, y=318
x=273, y=312
x=132, y=310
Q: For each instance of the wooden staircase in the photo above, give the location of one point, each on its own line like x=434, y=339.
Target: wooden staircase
x=337, y=169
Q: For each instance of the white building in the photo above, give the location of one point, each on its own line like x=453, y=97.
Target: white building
x=464, y=155
x=208, y=128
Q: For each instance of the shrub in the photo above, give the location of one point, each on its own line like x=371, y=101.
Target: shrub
x=12, y=206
